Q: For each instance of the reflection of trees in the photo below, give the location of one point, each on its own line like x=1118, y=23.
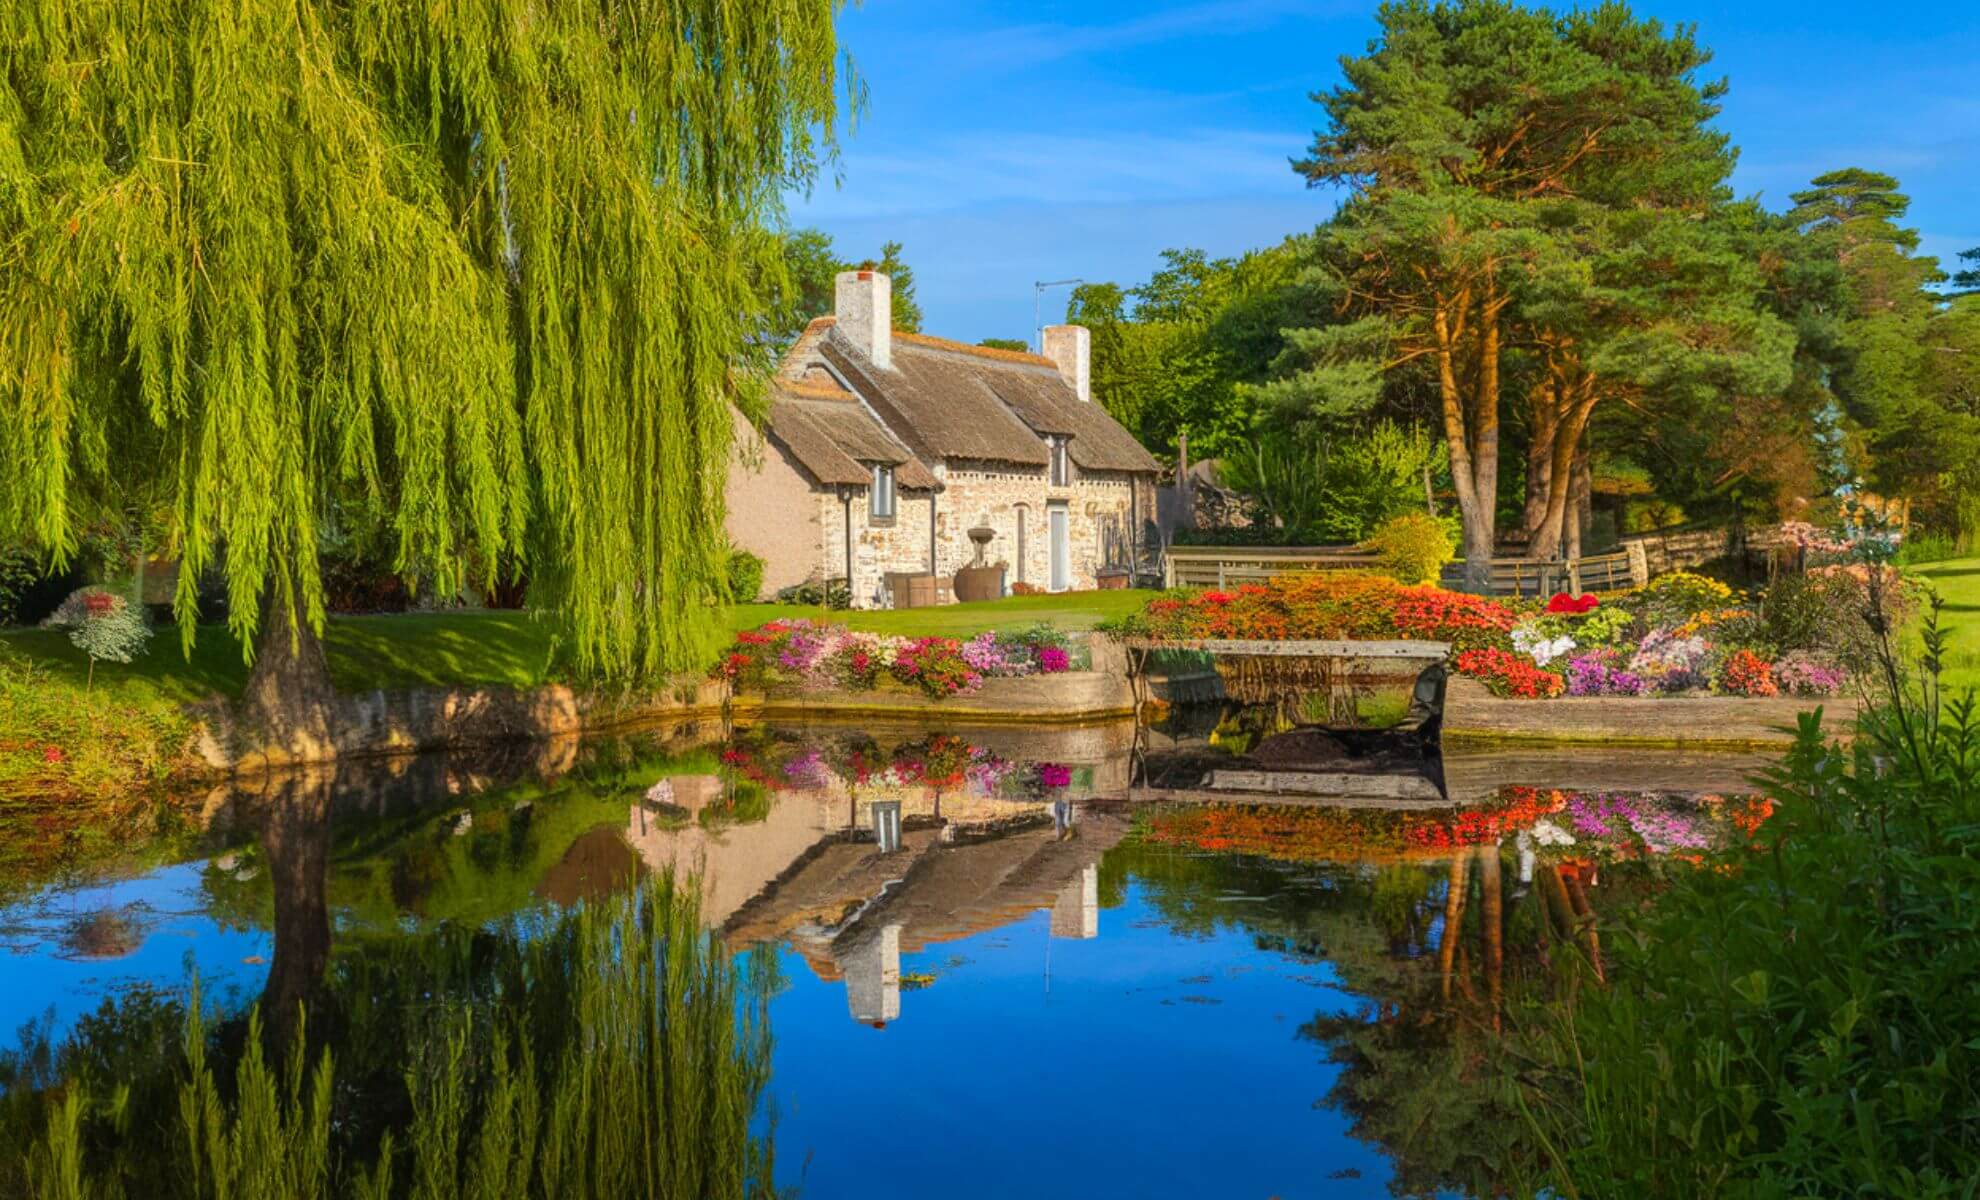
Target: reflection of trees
x=295, y=838
x=612, y=1051
x=1445, y=956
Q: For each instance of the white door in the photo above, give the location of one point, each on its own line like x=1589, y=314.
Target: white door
x=1061, y=547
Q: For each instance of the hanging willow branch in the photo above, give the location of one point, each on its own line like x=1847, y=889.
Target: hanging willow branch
x=496, y=266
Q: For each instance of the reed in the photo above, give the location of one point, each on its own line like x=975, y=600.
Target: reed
x=611, y=1051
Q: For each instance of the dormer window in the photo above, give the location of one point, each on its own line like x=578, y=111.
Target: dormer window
x=1061, y=467
x=880, y=494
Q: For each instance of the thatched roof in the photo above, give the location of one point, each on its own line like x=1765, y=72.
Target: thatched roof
x=950, y=400
x=832, y=436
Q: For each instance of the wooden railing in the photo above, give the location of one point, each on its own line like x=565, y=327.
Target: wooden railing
x=1227, y=566
x=1544, y=577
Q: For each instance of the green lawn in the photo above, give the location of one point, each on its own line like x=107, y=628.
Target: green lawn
x=492, y=648
x=1958, y=582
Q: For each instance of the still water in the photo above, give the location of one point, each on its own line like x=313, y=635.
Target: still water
x=1078, y=962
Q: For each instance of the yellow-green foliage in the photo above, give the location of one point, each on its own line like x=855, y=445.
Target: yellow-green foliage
x=499, y=267
x=1414, y=547
x=61, y=742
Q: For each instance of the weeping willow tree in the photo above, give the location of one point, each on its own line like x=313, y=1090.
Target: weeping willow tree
x=493, y=267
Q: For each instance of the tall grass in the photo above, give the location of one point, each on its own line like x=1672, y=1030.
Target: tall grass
x=1804, y=1022
x=614, y=1051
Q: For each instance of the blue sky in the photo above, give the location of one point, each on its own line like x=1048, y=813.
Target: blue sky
x=1006, y=142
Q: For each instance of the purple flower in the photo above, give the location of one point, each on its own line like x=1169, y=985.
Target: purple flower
x=1054, y=775
x=1053, y=659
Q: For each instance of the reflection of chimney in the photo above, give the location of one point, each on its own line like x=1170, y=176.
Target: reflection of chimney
x=1069, y=347
x=872, y=967
x=864, y=305
x=1076, y=912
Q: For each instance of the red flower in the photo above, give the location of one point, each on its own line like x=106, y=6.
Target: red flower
x=53, y=754
x=1572, y=605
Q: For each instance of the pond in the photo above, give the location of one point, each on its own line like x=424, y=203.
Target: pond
x=987, y=961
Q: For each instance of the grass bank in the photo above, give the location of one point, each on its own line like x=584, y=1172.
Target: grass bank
x=1958, y=584
x=63, y=734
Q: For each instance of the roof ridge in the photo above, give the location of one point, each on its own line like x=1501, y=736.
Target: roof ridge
x=816, y=391
x=940, y=343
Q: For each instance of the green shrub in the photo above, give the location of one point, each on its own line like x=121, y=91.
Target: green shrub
x=1824, y=612
x=745, y=577
x=1414, y=547
x=1928, y=548
x=1800, y=1022
x=833, y=593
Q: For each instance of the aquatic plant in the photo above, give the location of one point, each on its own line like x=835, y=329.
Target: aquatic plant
x=615, y=1050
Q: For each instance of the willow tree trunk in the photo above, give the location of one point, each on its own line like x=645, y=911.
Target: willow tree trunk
x=286, y=705
x=296, y=840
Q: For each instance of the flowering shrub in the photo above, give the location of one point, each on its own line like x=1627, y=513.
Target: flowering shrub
x=1465, y=621
x=1596, y=673
x=1747, y=674
x=1672, y=663
x=1800, y=673
x=1507, y=674
x=935, y=665
x=1679, y=596
x=1536, y=644
x=102, y=624
x=805, y=654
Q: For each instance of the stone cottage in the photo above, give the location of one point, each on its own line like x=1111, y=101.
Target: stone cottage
x=886, y=449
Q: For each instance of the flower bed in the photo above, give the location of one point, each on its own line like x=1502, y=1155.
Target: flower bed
x=805, y=655
x=1680, y=633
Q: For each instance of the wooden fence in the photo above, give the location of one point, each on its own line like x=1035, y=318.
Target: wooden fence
x=1544, y=577
x=1227, y=566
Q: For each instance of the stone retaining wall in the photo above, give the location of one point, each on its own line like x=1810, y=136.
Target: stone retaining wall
x=1689, y=722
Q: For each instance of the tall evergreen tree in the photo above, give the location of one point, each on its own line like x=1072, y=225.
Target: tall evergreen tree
x=1508, y=169
x=492, y=265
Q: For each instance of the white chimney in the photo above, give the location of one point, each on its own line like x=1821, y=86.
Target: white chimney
x=1070, y=349
x=864, y=305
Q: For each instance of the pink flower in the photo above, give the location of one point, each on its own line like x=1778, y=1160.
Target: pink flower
x=1053, y=659
x=53, y=754
x=1054, y=775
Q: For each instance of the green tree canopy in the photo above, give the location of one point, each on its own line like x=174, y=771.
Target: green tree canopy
x=812, y=265
x=494, y=265
x=1526, y=193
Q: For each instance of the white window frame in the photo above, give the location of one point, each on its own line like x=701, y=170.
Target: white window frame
x=1060, y=471
x=881, y=501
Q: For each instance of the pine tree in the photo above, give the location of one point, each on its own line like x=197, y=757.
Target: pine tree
x=494, y=266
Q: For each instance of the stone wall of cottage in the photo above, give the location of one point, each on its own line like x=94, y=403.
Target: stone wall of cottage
x=878, y=548
x=1014, y=503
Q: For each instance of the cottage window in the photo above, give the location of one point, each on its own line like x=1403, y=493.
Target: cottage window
x=880, y=496
x=1061, y=469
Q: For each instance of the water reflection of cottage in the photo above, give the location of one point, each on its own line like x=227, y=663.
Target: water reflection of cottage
x=851, y=911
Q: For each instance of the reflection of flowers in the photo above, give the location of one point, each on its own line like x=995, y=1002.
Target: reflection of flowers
x=1603, y=825
x=1054, y=775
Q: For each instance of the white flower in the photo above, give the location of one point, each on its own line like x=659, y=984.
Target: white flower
x=1549, y=834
